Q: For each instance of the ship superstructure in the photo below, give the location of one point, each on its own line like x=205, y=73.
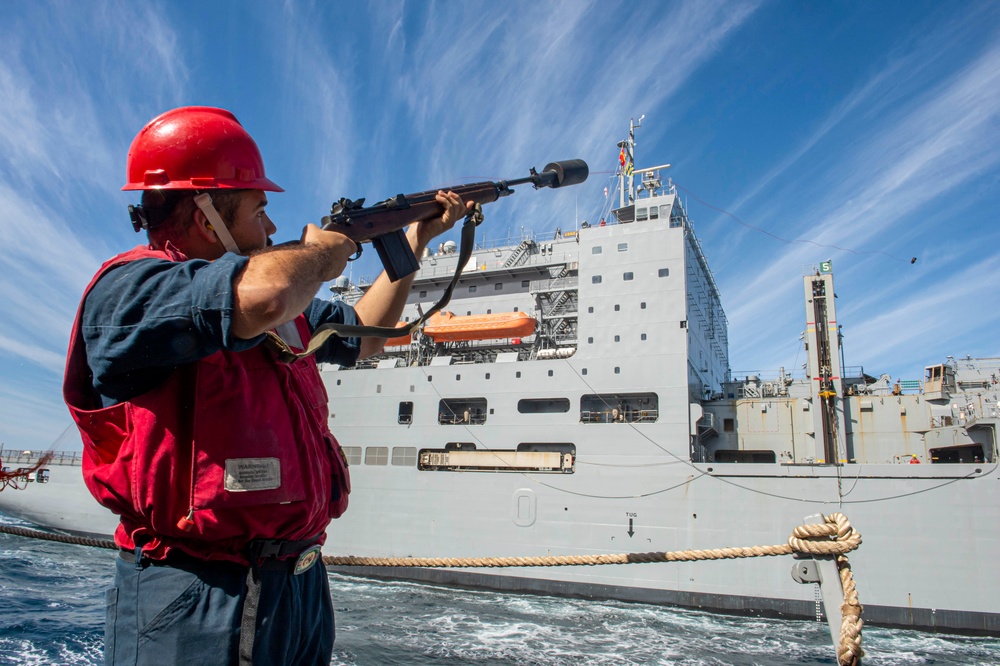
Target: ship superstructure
x=578, y=399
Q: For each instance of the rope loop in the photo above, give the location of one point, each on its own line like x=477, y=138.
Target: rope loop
x=834, y=537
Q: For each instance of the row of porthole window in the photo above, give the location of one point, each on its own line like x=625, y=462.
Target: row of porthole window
x=469, y=312
x=517, y=375
x=630, y=407
x=497, y=286
x=628, y=276
x=598, y=249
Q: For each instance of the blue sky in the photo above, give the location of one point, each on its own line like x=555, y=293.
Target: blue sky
x=871, y=127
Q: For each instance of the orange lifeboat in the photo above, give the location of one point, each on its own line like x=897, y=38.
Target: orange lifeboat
x=447, y=327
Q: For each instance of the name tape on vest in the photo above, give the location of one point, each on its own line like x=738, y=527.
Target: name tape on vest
x=244, y=474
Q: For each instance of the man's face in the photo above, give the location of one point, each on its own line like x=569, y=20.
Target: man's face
x=251, y=228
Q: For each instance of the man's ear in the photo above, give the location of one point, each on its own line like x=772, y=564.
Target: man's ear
x=202, y=228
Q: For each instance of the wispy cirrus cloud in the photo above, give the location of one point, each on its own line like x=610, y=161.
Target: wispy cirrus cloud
x=878, y=190
x=69, y=104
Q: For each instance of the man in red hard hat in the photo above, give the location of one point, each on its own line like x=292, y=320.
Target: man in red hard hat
x=214, y=451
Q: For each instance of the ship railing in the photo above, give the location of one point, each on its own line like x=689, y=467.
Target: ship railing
x=16, y=457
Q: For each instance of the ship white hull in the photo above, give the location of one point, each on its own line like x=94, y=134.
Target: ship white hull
x=927, y=559
x=929, y=538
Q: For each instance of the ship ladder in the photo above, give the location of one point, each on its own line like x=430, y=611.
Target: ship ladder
x=820, y=547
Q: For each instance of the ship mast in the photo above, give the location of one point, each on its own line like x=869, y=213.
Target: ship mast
x=824, y=366
x=626, y=163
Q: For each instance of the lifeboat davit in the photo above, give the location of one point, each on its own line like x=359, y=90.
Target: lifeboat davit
x=447, y=327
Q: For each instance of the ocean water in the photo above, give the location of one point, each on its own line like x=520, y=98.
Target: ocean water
x=52, y=612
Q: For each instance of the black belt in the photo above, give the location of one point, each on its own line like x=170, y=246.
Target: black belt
x=267, y=553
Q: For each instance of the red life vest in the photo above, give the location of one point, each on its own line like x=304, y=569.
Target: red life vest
x=240, y=438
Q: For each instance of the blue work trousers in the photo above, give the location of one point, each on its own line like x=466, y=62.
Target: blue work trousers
x=189, y=612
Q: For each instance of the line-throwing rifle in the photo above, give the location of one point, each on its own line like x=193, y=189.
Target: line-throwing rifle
x=382, y=224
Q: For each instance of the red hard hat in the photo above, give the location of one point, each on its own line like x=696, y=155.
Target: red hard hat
x=195, y=148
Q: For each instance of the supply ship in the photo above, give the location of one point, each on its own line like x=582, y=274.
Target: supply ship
x=576, y=399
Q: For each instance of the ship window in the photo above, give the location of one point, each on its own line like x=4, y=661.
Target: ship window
x=590, y=341
x=590, y=310
x=663, y=272
x=745, y=456
x=617, y=307
x=423, y=294
x=377, y=455
x=596, y=279
x=963, y=453
x=487, y=375
x=641, y=213
x=629, y=275
x=472, y=289
x=498, y=286
x=728, y=425
x=338, y=382
x=684, y=324
x=642, y=337
x=618, y=370
x=619, y=408
x=404, y=456
x=642, y=306
x=664, y=210
x=353, y=455
x=596, y=249
x=583, y=371
x=543, y=405
x=489, y=310
x=618, y=338
x=406, y=413
x=458, y=378
x=623, y=247
x=517, y=375
x=654, y=212
x=430, y=377
x=515, y=309
x=550, y=373
x=525, y=283
x=462, y=411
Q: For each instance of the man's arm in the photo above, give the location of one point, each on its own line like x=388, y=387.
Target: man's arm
x=144, y=318
x=278, y=284
x=383, y=303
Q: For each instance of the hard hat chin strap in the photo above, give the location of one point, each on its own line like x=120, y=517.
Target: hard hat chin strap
x=204, y=202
